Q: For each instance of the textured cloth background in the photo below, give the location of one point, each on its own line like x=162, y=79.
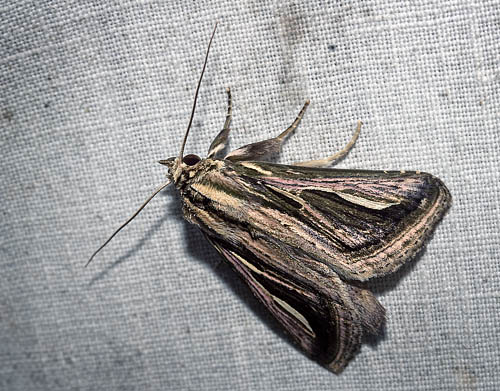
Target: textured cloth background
x=94, y=93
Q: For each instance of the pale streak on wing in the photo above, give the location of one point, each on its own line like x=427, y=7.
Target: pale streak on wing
x=287, y=194
x=255, y=167
x=281, y=302
x=295, y=314
x=362, y=201
x=216, y=195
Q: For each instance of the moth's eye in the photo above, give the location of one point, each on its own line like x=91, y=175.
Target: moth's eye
x=191, y=160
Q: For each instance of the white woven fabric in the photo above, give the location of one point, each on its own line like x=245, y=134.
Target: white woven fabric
x=94, y=93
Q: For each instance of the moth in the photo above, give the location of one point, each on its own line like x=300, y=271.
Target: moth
x=303, y=237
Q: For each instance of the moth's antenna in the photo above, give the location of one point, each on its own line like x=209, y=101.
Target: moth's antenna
x=196, y=94
x=129, y=220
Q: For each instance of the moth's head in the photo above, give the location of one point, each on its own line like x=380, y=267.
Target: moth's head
x=177, y=166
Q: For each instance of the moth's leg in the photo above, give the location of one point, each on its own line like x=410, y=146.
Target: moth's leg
x=229, y=114
x=295, y=123
x=336, y=156
x=220, y=141
x=262, y=149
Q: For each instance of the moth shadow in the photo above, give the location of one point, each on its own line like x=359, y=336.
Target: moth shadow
x=385, y=284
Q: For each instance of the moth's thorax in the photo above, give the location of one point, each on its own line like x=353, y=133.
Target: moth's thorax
x=184, y=175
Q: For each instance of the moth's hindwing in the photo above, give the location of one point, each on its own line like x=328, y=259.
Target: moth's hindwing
x=299, y=237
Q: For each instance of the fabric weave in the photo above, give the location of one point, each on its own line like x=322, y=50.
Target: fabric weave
x=94, y=93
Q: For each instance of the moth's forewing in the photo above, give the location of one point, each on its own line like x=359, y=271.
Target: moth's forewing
x=325, y=316
x=298, y=235
x=363, y=224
